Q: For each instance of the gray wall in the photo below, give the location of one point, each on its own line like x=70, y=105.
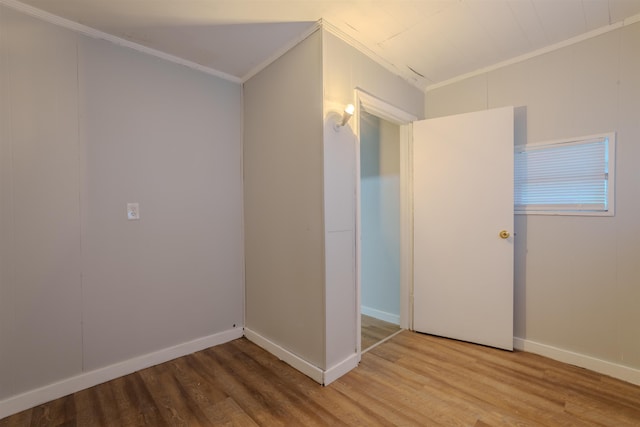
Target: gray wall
x=299, y=206
x=576, y=277
x=40, y=307
x=380, y=216
x=168, y=138
x=283, y=187
x=87, y=127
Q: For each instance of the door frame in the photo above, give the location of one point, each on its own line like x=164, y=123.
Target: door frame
x=382, y=109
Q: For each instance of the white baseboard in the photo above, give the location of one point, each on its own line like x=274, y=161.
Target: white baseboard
x=32, y=398
x=614, y=370
x=382, y=315
x=338, y=370
x=315, y=373
x=285, y=355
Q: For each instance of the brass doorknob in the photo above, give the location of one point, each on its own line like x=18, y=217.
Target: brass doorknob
x=504, y=234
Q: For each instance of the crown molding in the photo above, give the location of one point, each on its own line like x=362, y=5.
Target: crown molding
x=96, y=34
x=547, y=49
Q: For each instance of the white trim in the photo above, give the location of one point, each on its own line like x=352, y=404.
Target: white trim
x=96, y=34
x=91, y=32
x=358, y=238
x=285, y=355
x=621, y=372
x=547, y=49
x=85, y=380
x=382, y=109
x=284, y=49
x=324, y=377
x=339, y=369
x=566, y=141
x=406, y=226
x=381, y=315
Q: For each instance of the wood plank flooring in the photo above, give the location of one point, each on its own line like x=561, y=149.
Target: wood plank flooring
x=409, y=380
x=375, y=330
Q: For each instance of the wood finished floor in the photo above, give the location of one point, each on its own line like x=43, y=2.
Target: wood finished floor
x=410, y=380
x=375, y=330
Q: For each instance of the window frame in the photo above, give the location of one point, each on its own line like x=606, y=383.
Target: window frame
x=576, y=211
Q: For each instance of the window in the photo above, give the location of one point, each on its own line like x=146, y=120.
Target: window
x=569, y=177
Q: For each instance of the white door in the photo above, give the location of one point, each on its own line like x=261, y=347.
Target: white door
x=463, y=200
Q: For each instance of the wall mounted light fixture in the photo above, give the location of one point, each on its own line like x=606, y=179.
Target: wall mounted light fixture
x=346, y=115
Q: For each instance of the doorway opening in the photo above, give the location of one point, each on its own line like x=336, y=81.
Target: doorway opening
x=380, y=228
x=383, y=220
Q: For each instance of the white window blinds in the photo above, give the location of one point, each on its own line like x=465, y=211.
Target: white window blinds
x=567, y=176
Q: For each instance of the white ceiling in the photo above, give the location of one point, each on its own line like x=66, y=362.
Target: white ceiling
x=439, y=39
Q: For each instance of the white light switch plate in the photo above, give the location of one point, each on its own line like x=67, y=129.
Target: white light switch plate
x=133, y=211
